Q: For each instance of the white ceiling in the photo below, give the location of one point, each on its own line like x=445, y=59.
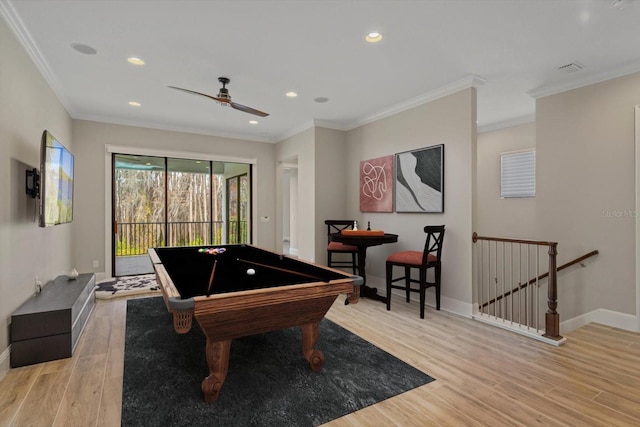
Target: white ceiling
x=509, y=49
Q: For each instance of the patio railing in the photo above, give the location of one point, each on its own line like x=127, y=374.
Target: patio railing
x=136, y=238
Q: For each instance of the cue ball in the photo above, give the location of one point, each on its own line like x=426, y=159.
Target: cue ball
x=251, y=272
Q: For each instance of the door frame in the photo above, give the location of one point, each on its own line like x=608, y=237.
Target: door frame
x=108, y=181
x=637, y=214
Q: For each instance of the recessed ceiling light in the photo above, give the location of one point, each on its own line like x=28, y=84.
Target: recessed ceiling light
x=253, y=122
x=321, y=99
x=373, y=37
x=135, y=61
x=292, y=94
x=134, y=104
x=83, y=48
x=584, y=16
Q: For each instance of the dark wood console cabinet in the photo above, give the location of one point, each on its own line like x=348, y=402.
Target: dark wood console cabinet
x=48, y=325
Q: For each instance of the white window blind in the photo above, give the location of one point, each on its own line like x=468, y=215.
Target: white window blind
x=518, y=174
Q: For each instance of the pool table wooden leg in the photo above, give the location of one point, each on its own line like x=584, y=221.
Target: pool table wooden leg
x=310, y=334
x=218, y=362
x=353, y=297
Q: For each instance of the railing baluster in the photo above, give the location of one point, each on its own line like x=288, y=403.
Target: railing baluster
x=477, y=288
x=485, y=291
x=495, y=282
x=525, y=295
x=537, y=290
x=520, y=281
x=512, y=269
x=503, y=302
x=481, y=275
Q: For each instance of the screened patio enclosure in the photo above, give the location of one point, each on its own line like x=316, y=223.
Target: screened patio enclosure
x=163, y=201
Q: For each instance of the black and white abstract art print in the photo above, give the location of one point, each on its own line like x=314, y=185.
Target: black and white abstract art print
x=420, y=180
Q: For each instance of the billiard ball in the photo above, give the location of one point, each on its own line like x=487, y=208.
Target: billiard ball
x=251, y=272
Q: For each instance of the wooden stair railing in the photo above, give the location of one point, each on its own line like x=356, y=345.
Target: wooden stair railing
x=552, y=318
x=540, y=277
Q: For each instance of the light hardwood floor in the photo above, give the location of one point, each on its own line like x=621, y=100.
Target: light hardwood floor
x=484, y=376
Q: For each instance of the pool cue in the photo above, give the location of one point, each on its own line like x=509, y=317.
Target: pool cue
x=213, y=271
x=322, y=279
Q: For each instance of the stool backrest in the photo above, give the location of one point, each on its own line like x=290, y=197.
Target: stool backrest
x=433, y=245
x=337, y=225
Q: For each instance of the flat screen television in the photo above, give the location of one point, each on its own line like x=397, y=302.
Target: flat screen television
x=56, y=182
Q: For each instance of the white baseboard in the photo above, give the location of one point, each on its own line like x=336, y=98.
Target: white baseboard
x=614, y=319
x=5, y=363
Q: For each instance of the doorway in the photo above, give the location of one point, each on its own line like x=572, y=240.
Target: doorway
x=163, y=201
x=290, y=207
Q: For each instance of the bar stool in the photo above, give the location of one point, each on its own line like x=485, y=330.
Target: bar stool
x=336, y=226
x=423, y=261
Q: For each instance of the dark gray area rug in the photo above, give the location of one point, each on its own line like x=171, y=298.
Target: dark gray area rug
x=269, y=382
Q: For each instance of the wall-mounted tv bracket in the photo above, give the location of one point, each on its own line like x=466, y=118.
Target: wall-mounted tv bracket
x=32, y=176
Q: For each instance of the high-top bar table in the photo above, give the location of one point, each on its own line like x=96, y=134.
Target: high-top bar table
x=362, y=241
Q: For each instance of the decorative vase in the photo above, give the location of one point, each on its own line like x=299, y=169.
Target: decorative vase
x=73, y=274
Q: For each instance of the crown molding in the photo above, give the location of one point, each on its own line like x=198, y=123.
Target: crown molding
x=328, y=124
x=552, y=89
x=449, y=89
x=529, y=118
x=296, y=130
x=156, y=126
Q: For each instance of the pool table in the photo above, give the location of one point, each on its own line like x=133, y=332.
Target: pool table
x=239, y=290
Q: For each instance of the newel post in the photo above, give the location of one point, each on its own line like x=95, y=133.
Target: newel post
x=552, y=318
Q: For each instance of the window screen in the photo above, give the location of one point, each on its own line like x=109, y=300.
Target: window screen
x=518, y=174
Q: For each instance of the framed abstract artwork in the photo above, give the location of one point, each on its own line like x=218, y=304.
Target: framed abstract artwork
x=419, y=182
x=376, y=184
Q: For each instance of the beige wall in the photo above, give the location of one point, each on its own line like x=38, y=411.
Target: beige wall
x=586, y=194
x=300, y=147
x=330, y=194
x=496, y=216
x=27, y=107
x=449, y=121
x=94, y=182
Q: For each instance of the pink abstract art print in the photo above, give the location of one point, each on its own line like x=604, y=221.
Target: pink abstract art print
x=376, y=185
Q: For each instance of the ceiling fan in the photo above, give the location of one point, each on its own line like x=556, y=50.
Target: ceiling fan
x=225, y=99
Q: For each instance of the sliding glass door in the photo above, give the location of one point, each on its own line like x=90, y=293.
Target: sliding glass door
x=238, y=196
x=160, y=201
x=189, y=209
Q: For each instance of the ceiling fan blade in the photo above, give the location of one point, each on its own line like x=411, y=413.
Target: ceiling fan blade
x=248, y=109
x=201, y=94
x=234, y=105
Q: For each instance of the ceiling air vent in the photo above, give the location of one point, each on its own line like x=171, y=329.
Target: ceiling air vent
x=570, y=68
